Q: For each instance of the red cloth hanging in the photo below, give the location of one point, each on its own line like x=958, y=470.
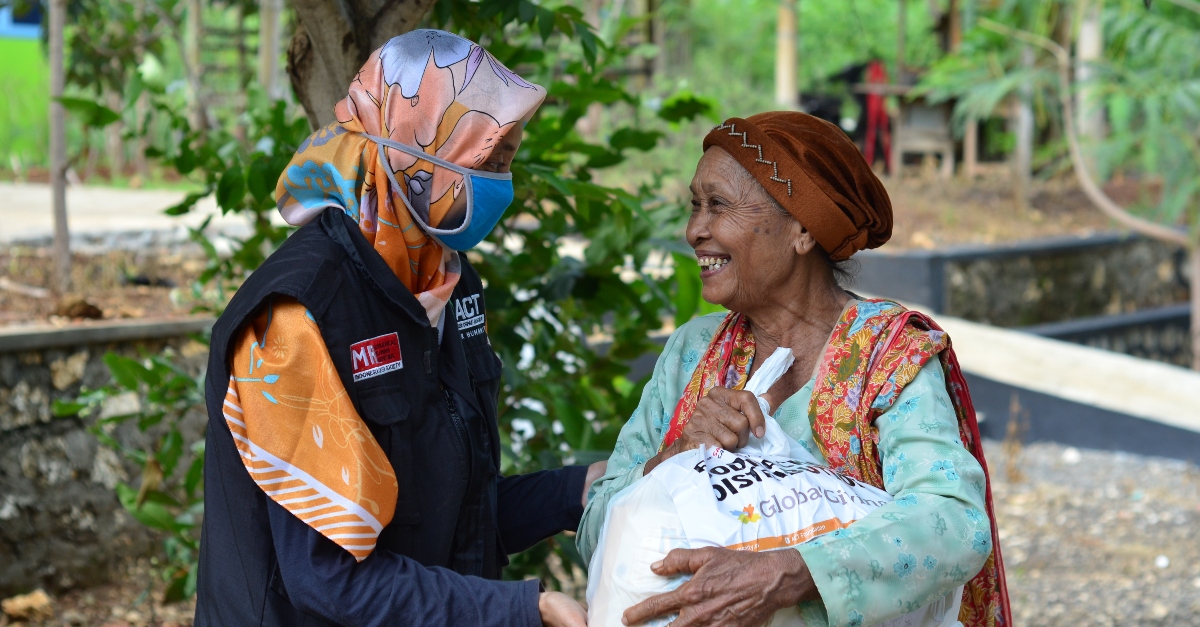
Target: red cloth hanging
x=877, y=118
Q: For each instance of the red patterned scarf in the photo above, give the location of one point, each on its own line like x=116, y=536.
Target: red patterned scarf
x=876, y=349
x=726, y=362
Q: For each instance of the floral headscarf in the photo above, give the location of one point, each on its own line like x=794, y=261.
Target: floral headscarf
x=430, y=90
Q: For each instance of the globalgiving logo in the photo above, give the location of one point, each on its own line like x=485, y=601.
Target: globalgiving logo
x=747, y=515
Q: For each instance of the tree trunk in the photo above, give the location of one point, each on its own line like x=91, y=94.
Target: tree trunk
x=674, y=38
x=58, y=148
x=269, y=13
x=962, y=18
x=787, y=94
x=332, y=41
x=242, y=101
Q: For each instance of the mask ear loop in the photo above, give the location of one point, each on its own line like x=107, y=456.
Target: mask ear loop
x=429, y=231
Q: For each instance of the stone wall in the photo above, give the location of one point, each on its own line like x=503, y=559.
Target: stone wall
x=1162, y=334
x=1033, y=282
x=1048, y=285
x=1102, y=279
x=60, y=522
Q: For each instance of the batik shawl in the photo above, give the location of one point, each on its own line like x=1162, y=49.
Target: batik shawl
x=868, y=361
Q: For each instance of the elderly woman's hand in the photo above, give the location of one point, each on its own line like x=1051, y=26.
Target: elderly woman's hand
x=728, y=588
x=723, y=418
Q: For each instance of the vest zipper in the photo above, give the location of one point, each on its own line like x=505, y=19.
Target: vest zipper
x=461, y=429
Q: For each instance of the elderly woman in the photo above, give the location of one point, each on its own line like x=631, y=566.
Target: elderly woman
x=778, y=200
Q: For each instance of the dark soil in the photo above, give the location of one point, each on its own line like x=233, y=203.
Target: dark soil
x=132, y=599
x=117, y=284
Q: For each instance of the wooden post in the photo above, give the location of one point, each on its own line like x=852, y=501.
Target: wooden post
x=269, y=13
x=113, y=137
x=140, y=165
x=1023, y=152
x=1194, y=257
x=1088, y=111
x=58, y=147
x=971, y=131
x=787, y=94
x=191, y=55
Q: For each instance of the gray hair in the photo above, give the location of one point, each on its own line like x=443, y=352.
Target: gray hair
x=844, y=272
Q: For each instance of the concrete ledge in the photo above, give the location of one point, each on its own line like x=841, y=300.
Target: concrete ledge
x=26, y=338
x=1050, y=418
x=1119, y=383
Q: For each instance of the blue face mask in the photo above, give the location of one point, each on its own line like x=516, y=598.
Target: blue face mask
x=488, y=196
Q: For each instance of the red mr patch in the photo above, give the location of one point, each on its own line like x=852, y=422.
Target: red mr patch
x=373, y=357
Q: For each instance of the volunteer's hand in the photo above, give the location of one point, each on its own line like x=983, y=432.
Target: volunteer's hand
x=722, y=418
x=595, y=471
x=560, y=610
x=728, y=588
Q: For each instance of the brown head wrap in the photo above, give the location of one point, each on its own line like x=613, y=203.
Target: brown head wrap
x=811, y=168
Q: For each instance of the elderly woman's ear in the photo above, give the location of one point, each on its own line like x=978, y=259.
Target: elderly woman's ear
x=805, y=242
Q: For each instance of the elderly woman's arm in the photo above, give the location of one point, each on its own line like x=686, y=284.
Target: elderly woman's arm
x=640, y=437
x=637, y=443
x=931, y=539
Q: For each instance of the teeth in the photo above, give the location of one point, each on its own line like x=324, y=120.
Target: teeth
x=712, y=263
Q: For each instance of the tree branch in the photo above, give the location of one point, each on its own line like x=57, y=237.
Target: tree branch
x=1089, y=185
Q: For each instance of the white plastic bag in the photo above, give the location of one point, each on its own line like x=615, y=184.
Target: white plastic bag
x=771, y=494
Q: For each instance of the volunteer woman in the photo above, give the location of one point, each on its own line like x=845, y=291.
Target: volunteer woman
x=778, y=200
x=352, y=470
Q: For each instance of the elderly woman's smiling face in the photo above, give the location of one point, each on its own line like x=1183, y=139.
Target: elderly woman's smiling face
x=744, y=242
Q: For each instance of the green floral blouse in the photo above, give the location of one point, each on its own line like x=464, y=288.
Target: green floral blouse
x=931, y=539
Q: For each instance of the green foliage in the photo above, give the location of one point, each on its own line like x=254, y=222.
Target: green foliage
x=988, y=69
x=24, y=124
x=91, y=114
x=1149, y=83
x=566, y=325
x=242, y=177
x=170, y=496
x=570, y=303
x=1146, y=80
x=734, y=47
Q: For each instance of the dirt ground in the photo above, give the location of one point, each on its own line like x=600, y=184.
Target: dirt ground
x=1098, y=538
x=119, y=283
x=929, y=212
x=133, y=599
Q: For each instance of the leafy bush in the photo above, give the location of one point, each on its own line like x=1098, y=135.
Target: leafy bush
x=170, y=497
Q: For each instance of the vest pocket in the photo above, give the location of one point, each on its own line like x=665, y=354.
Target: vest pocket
x=386, y=412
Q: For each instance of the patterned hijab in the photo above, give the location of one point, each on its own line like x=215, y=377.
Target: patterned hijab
x=430, y=90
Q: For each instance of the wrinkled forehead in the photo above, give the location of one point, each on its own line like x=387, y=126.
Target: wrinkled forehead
x=718, y=172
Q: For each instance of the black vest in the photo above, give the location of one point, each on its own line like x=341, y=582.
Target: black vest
x=446, y=458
